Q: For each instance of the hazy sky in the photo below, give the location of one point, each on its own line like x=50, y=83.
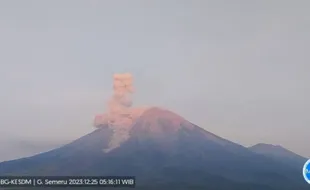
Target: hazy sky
x=239, y=69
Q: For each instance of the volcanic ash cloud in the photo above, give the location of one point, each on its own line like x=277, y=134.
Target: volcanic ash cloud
x=119, y=106
x=120, y=114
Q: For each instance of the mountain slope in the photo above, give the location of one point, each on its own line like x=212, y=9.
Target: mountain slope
x=279, y=154
x=163, y=151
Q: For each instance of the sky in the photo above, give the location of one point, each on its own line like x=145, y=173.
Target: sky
x=239, y=69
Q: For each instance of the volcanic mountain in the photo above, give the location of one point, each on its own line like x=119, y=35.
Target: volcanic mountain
x=163, y=151
x=279, y=154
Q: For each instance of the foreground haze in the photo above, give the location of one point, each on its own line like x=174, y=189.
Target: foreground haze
x=239, y=69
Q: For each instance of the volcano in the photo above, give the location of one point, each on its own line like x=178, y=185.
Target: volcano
x=279, y=154
x=164, y=151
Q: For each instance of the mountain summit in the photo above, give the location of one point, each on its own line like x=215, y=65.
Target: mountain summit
x=279, y=154
x=163, y=151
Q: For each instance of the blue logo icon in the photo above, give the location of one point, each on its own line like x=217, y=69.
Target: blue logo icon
x=306, y=171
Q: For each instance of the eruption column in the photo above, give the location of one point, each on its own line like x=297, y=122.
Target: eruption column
x=119, y=106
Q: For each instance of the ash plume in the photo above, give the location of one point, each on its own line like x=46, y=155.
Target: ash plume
x=120, y=114
x=119, y=111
